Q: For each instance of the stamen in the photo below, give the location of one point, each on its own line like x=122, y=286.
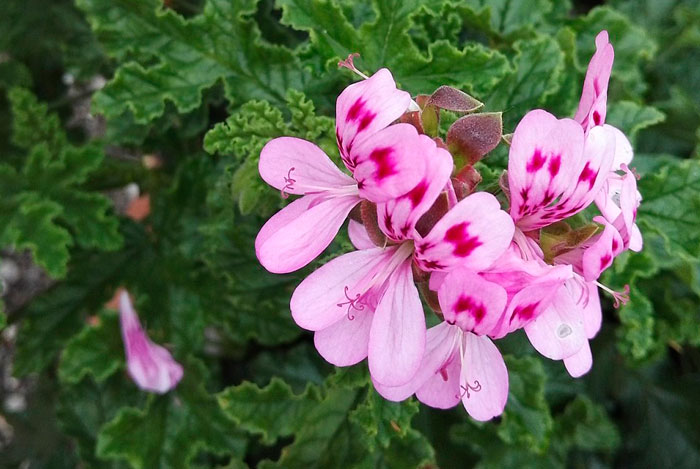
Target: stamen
x=353, y=303
x=348, y=63
x=620, y=297
x=289, y=183
x=476, y=387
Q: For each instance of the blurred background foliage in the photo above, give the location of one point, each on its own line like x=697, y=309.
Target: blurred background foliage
x=175, y=98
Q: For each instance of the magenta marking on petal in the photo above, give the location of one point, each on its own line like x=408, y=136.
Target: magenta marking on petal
x=382, y=159
x=525, y=312
x=476, y=387
x=605, y=261
x=443, y=373
x=588, y=175
x=596, y=118
x=548, y=198
x=536, y=162
x=289, y=183
x=463, y=243
x=430, y=265
x=366, y=121
x=554, y=165
x=615, y=245
x=417, y=193
x=356, y=109
x=352, y=303
x=469, y=304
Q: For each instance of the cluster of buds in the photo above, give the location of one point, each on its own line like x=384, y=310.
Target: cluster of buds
x=419, y=223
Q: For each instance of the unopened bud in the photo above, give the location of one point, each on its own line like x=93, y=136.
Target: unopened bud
x=465, y=181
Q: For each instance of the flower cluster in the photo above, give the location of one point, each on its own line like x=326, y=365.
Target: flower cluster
x=419, y=224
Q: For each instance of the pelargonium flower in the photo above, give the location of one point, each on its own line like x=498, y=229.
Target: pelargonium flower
x=365, y=303
x=382, y=158
x=150, y=365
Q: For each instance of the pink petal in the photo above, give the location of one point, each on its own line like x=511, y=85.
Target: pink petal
x=442, y=390
x=599, y=255
x=597, y=77
x=441, y=348
x=298, y=233
x=358, y=236
x=391, y=162
x=590, y=309
x=474, y=233
x=151, y=366
x=545, y=159
x=580, y=363
x=558, y=332
x=623, y=148
x=484, y=378
x=345, y=342
x=398, y=217
x=296, y=166
x=397, y=338
x=470, y=302
x=366, y=107
x=329, y=294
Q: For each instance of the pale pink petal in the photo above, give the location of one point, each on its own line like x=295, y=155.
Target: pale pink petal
x=397, y=338
x=590, y=309
x=623, y=148
x=298, y=233
x=635, y=243
x=296, y=166
x=579, y=363
x=442, y=390
x=358, y=236
x=558, y=332
x=441, y=348
x=484, y=378
x=366, y=107
x=337, y=289
x=345, y=342
x=599, y=255
x=391, y=162
x=150, y=365
x=474, y=233
x=545, y=159
x=397, y=218
x=470, y=302
x=597, y=78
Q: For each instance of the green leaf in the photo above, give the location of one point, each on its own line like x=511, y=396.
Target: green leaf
x=272, y=412
x=172, y=429
x=383, y=420
x=97, y=350
x=536, y=71
x=526, y=420
x=510, y=16
x=637, y=331
x=586, y=426
x=221, y=45
x=631, y=117
x=671, y=206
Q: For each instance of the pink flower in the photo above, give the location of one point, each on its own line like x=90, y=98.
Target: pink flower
x=365, y=303
x=592, y=105
x=151, y=366
x=384, y=160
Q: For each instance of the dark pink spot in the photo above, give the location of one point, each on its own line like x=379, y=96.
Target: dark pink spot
x=366, y=121
x=605, y=261
x=432, y=265
x=387, y=220
x=588, y=175
x=382, y=159
x=463, y=243
x=554, y=165
x=536, y=162
x=525, y=312
x=418, y=193
x=596, y=117
x=615, y=245
x=356, y=109
x=548, y=198
x=443, y=373
x=468, y=304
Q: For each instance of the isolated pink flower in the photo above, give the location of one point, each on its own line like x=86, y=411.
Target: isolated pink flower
x=384, y=160
x=365, y=303
x=150, y=365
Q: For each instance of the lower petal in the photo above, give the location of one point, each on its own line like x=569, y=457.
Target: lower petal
x=397, y=338
x=580, y=363
x=442, y=388
x=345, y=342
x=484, y=378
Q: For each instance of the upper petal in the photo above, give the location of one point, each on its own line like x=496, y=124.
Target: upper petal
x=474, y=233
x=298, y=233
x=484, y=378
x=391, y=162
x=296, y=166
x=365, y=108
x=358, y=236
x=546, y=157
x=597, y=78
x=397, y=338
x=397, y=217
x=470, y=302
x=336, y=289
